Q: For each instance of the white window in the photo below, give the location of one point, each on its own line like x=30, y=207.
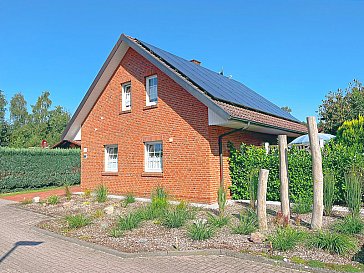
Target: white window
x=153, y=156
x=111, y=158
x=126, y=97
x=152, y=90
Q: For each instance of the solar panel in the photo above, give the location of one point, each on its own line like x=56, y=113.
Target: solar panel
x=219, y=86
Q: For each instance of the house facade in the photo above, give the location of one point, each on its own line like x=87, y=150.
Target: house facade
x=151, y=118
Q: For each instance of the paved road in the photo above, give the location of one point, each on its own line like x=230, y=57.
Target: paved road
x=24, y=249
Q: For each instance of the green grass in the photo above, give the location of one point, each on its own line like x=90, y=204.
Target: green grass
x=333, y=242
x=116, y=233
x=200, y=230
x=53, y=200
x=101, y=193
x=129, y=199
x=286, y=238
x=77, y=221
x=218, y=221
x=129, y=222
x=175, y=217
x=302, y=206
x=248, y=223
x=330, y=266
x=349, y=225
x=159, y=198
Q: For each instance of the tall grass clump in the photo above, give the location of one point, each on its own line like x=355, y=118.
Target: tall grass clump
x=175, y=217
x=129, y=222
x=101, y=193
x=129, y=199
x=329, y=192
x=77, y=221
x=350, y=225
x=333, y=242
x=159, y=198
x=353, y=192
x=200, y=230
x=286, y=238
x=53, y=200
x=221, y=200
x=253, y=186
x=248, y=223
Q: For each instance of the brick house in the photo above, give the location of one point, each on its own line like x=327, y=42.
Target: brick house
x=151, y=118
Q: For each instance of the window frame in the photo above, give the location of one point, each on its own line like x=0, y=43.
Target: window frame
x=146, y=157
x=106, y=158
x=123, y=96
x=148, y=102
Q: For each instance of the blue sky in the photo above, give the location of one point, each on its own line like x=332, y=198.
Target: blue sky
x=291, y=52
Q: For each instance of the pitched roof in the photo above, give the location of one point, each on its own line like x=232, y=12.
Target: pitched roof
x=229, y=99
x=220, y=87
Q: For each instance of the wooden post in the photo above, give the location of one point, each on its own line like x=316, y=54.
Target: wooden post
x=318, y=205
x=262, y=195
x=283, y=176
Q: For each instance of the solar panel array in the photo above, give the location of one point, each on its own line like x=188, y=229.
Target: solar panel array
x=220, y=87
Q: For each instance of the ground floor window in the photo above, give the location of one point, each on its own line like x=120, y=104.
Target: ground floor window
x=111, y=158
x=154, y=156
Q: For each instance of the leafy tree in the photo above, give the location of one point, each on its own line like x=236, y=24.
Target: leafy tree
x=340, y=106
x=4, y=126
x=18, y=110
x=351, y=133
x=58, y=119
x=287, y=109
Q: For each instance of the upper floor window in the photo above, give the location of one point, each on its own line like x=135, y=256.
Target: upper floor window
x=152, y=90
x=153, y=156
x=111, y=158
x=126, y=97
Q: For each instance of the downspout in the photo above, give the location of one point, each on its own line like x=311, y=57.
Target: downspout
x=220, y=150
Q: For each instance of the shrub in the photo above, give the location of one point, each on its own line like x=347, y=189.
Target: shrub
x=218, y=220
x=53, y=200
x=129, y=199
x=200, y=230
x=38, y=168
x=159, y=198
x=329, y=190
x=353, y=193
x=101, y=193
x=77, y=221
x=67, y=192
x=130, y=221
x=253, y=186
x=174, y=218
x=333, y=242
x=351, y=224
x=286, y=238
x=248, y=223
x=221, y=199
x=302, y=205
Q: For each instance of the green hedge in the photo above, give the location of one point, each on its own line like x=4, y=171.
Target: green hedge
x=336, y=157
x=38, y=168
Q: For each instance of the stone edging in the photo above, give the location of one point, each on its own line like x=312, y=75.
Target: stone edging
x=229, y=253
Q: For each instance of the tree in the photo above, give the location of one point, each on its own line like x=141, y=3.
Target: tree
x=340, y=106
x=4, y=126
x=18, y=110
x=58, y=119
x=287, y=109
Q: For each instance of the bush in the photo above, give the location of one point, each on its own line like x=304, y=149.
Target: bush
x=22, y=169
x=218, y=220
x=303, y=205
x=248, y=223
x=53, y=200
x=353, y=193
x=101, y=193
x=159, y=198
x=174, y=218
x=130, y=221
x=200, y=230
x=77, y=221
x=329, y=190
x=333, y=242
x=286, y=238
x=349, y=225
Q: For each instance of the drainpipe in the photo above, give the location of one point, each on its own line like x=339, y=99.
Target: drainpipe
x=220, y=150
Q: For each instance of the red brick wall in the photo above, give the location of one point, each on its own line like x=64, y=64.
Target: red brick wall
x=190, y=149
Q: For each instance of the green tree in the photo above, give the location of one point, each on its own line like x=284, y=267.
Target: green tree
x=340, y=106
x=4, y=126
x=58, y=119
x=18, y=110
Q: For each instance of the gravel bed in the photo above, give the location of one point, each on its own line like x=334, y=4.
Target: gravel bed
x=152, y=236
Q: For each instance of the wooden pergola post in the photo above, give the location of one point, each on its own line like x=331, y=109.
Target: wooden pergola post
x=318, y=188
x=261, y=200
x=283, y=176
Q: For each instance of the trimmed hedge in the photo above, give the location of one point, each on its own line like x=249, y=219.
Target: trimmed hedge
x=37, y=168
x=336, y=157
